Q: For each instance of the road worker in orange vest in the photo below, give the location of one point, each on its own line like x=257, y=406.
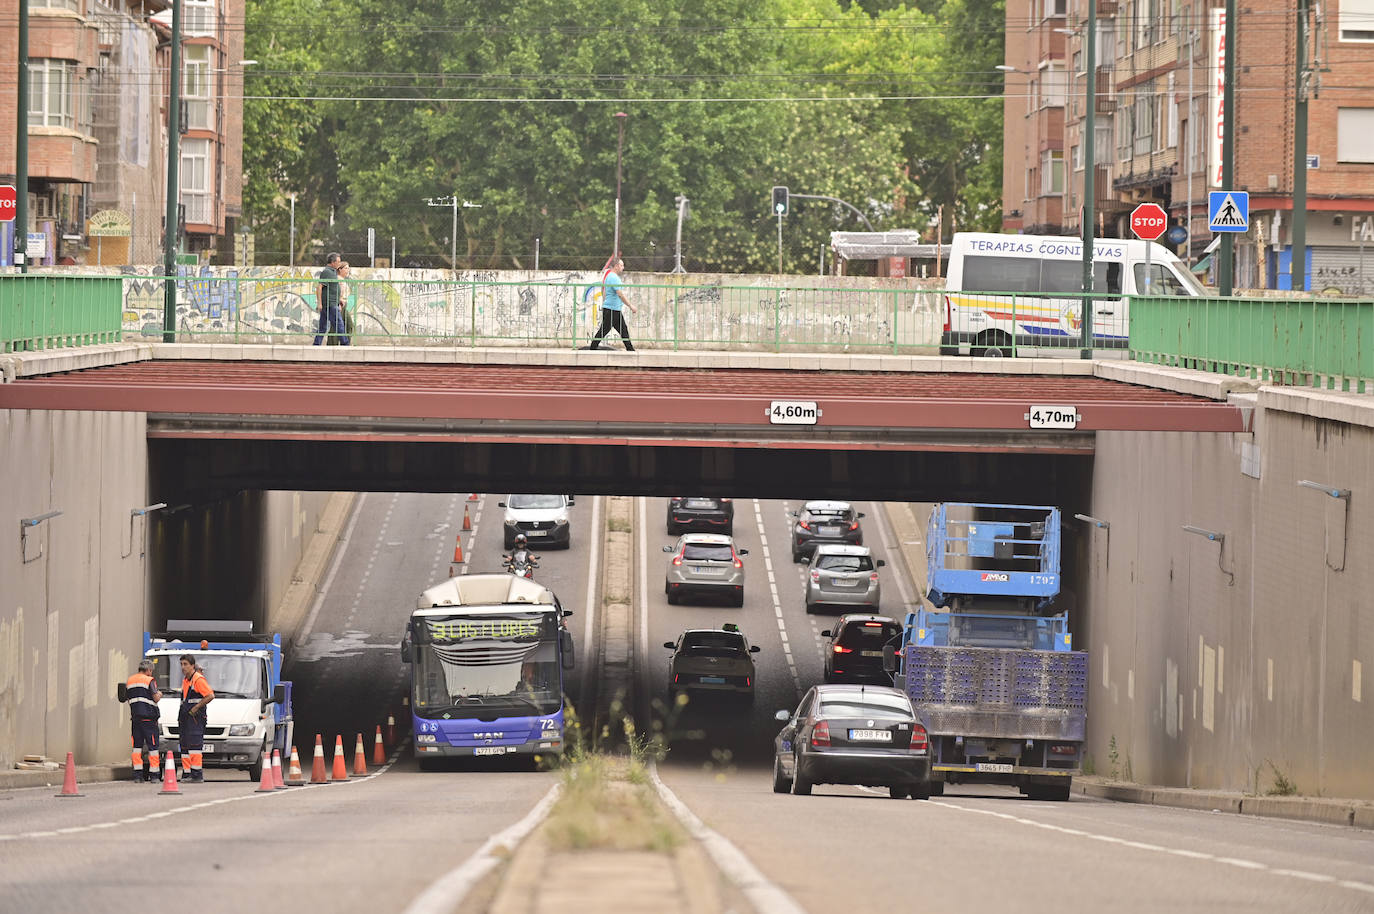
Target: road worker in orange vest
x=195, y=695
x=142, y=694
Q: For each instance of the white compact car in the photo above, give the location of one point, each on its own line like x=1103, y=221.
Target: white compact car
x=542, y=518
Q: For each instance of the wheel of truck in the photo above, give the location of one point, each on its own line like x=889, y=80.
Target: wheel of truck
x=937, y=787
x=781, y=784
x=801, y=787
x=899, y=791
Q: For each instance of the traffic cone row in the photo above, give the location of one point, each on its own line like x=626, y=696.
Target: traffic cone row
x=378, y=750
x=359, y=759
x=266, y=783
x=294, y=776
x=473, y=496
x=340, y=772
x=169, y=777
x=317, y=775
x=467, y=521
x=458, y=550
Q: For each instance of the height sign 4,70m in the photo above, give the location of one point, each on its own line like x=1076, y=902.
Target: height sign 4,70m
x=9, y=202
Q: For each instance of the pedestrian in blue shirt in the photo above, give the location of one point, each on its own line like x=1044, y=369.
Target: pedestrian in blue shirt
x=613, y=302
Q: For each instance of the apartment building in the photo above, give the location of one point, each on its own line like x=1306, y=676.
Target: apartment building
x=1158, y=65
x=97, y=127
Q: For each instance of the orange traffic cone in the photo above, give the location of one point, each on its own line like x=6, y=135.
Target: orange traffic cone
x=340, y=772
x=378, y=750
x=390, y=730
x=169, y=777
x=69, y=780
x=467, y=521
x=473, y=496
x=294, y=776
x=317, y=775
x=359, y=759
x=265, y=783
x=278, y=781
x=458, y=550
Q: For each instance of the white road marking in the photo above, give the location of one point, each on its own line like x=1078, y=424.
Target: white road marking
x=777, y=603
x=1158, y=849
x=162, y=814
x=339, y=549
x=448, y=891
x=766, y=896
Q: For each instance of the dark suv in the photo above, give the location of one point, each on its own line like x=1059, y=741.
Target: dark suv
x=824, y=522
x=854, y=652
x=697, y=513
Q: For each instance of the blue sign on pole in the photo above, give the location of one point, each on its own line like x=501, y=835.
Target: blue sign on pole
x=1228, y=211
x=1176, y=235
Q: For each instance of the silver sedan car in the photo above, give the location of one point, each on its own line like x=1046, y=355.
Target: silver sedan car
x=705, y=564
x=842, y=575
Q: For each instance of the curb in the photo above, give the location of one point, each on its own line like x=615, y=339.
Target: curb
x=290, y=613
x=1353, y=813
x=52, y=777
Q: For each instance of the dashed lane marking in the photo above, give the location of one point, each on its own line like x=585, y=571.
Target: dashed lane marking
x=777, y=603
x=1238, y=862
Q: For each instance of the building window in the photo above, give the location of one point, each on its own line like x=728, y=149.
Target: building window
x=52, y=93
x=1052, y=172
x=1055, y=8
x=1078, y=62
x=1357, y=20
x=199, y=18
x=73, y=5
x=1053, y=87
x=1077, y=156
x=198, y=87
x=1354, y=126
x=1143, y=128
x=195, y=181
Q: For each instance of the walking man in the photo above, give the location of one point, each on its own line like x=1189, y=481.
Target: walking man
x=142, y=694
x=195, y=695
x=331, y=316
x=613, y=299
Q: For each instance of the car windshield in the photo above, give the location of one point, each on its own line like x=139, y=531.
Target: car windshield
x=707, y=552
x=828, y=515
x=712, y=644
x=868, y=636
x=229, y=675
x=538, y=502
x=854, y=704
x=839, y=563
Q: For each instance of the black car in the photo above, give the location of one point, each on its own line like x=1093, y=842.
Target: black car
x=855, y=651
x=824, y=522
x=701, y=514
x=845, y=734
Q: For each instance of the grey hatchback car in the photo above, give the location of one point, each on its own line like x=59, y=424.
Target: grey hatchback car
x=824, y=522
x=843, y=576
x=705, y=564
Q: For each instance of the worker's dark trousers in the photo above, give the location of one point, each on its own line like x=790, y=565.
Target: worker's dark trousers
x=192, y=739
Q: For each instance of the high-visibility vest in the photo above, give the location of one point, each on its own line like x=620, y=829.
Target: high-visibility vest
x=192, y=690
x=140, y=689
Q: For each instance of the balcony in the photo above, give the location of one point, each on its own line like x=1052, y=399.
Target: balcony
x=1105, y=100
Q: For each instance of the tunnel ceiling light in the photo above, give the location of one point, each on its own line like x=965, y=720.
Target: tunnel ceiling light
x=1211, y=535
x=1329, y=490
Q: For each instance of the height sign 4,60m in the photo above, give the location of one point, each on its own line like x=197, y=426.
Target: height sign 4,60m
x=794, y=412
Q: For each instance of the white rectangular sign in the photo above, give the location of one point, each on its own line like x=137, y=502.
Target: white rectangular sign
x=1053, y=416
x=793, y=412
x=1216, y=112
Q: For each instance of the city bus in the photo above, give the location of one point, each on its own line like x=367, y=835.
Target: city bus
x=488, y=656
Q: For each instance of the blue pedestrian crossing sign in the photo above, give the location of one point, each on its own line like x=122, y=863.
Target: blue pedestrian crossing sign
x=1228, y=211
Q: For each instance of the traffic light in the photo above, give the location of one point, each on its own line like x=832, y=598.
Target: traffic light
x=779, y=200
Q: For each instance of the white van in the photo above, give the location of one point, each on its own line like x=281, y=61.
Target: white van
x=1026, y=289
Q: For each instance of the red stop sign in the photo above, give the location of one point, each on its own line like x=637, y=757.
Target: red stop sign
x=1148, y=221
x=8, y=202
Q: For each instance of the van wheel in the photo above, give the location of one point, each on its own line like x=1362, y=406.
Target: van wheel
x=992, y=345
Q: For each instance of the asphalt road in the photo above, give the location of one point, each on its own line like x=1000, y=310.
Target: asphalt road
x=976, y=848
x=368, y=845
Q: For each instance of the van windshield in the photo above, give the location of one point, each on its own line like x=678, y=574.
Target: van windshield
x=1164, y=281
x=535, y=502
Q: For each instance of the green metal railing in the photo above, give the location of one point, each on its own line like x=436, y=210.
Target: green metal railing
x=47, y=311
x=1320, y=342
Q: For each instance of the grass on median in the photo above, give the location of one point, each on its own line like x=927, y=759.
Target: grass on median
x=608, y=805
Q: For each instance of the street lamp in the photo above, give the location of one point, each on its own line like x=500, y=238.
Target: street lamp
x=619, y=149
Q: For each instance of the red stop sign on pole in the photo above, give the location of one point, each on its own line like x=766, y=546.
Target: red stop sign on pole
x=1148, y=221
x=8, y=202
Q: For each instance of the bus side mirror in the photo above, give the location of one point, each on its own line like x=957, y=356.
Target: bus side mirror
x=122, y=692
x=565, y=644
x=405, y=650
x=889, y=659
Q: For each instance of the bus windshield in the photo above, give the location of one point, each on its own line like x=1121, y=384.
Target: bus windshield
x=482, y=665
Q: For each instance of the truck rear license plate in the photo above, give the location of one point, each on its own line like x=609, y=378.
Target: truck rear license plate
x=489, y=750
x=875, y=736
x=870, y=653
x=994, y=767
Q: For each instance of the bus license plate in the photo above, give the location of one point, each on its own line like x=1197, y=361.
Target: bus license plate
x=877, y=736
x=489, y=750
x=993, y=767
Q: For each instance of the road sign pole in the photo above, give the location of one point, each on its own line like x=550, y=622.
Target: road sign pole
x=1148, y=247
x=1226, y=266
x=21, y=148
x=1297, y=264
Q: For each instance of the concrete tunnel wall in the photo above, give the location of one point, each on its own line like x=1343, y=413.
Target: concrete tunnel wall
x=72, y=619
x=1205, y=680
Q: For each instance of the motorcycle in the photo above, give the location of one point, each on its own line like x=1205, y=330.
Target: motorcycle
x=521, y=563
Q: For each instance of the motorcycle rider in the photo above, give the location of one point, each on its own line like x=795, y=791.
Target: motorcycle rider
x=520, y=553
